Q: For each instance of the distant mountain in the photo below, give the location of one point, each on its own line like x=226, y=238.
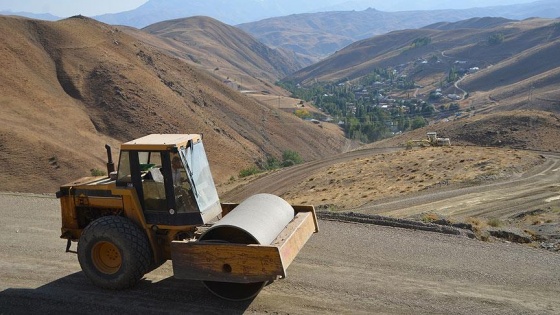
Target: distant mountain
x=41, y=16
x=313, y=30
x=320, y=34
x=513, y=60
x=242, y=11
x=229, y=12
x=408, y=5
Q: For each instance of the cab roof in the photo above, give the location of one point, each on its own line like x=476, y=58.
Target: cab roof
x=160, y=142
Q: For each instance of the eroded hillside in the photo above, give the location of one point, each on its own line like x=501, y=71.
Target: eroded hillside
x=69, y=87
x=227, y=52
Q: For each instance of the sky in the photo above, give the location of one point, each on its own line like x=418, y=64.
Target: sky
x=66, y=8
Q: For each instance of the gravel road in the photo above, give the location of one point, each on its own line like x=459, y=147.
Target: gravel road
x=344, y=269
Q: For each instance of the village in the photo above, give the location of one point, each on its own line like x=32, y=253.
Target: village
x=388, y=101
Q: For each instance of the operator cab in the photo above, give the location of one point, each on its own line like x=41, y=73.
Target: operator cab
x=172, y=179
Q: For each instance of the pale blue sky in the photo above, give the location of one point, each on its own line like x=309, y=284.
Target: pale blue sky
x=66, y=8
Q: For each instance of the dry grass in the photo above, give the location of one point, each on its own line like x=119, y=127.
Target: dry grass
x=364, y=180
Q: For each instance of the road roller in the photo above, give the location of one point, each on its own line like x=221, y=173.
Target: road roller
x=161, y=204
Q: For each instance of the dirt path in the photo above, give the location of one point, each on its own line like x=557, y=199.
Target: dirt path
x=384, y=270
x=280, y=181
x=502, y=199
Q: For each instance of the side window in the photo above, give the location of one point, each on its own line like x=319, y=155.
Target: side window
x=203, y=183
x=153, y=183
x=123, y=175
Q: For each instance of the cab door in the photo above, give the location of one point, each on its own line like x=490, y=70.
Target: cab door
x=165, y=200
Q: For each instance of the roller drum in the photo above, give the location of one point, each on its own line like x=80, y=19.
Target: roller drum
x=257, y=220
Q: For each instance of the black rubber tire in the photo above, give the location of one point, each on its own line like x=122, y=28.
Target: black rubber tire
x=234, y=291
x=130, y=246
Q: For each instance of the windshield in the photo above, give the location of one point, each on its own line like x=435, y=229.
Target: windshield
x=194, y=158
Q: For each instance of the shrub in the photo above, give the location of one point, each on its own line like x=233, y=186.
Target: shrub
x=249, y=171
x=429, y=217
x=97, y=172
x=421, y=42
x=272, y=163
x=290, y=158
x=496, y=39
x=302, y=113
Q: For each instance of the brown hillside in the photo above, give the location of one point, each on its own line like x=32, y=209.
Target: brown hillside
x=69, y=87
x=477, y=22
x=226, y=51
x=323, y=33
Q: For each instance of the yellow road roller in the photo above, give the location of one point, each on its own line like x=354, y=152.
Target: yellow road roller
x=161, y=204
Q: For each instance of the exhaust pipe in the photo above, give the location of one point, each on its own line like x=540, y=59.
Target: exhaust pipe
x=110, y=164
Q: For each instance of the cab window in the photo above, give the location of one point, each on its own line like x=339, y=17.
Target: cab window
x=123, y=174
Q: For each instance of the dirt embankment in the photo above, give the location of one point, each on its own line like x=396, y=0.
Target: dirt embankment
x=493, y=192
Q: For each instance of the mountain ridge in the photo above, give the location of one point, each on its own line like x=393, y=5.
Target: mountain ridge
x=321, y=34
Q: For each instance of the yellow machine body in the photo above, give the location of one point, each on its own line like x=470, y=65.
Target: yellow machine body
x=170, y=217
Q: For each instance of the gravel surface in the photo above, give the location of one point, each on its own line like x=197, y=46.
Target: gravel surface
x=347, y=268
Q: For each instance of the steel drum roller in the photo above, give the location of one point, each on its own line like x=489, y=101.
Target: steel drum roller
x=257, y=220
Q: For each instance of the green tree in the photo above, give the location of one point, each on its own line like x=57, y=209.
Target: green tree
x=418, y=122
x=454, y=107
x=453, y=75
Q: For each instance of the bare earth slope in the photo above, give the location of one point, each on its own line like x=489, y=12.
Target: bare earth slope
x=226, y=51
x=69, y=87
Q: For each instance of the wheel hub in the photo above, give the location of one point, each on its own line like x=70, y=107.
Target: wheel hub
x=106, y=257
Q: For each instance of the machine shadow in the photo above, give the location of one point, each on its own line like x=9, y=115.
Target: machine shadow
x=75, y=294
